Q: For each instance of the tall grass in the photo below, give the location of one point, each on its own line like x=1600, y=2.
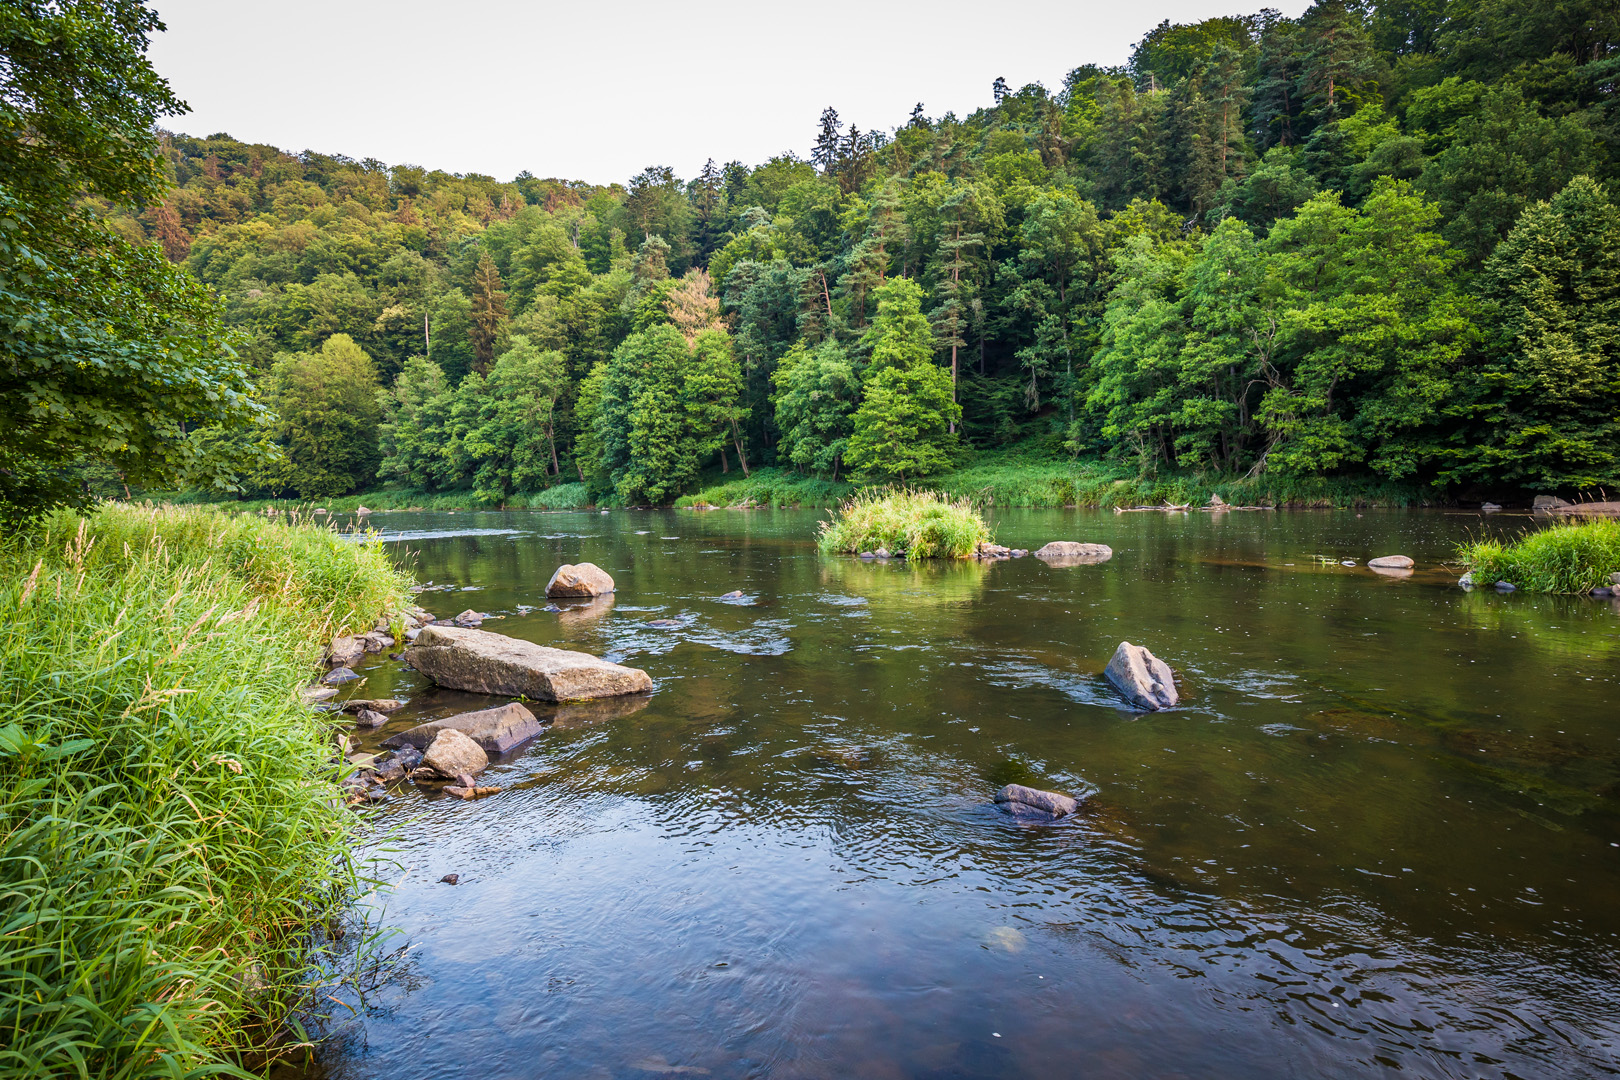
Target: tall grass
x=1561, y=559
x=770, y=487
x=169, y=827
x=923, y=524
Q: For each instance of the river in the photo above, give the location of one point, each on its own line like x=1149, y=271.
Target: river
x=1379, y=836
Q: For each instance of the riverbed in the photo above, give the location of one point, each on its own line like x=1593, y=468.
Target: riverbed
x=1379, y=835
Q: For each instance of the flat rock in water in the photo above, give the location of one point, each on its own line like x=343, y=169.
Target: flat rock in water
x=734, y=594
x=1028, y=802
x=1390, y=562
x=496, y=730
x=376, y=641
x=584, y=579
x=452, y=753
x=469, y=619
x=666, y=624
x=487, y=663
x=382, y=705
x=338, y=675
x=1073, y=553
x=1142, y=678
x=313, y=694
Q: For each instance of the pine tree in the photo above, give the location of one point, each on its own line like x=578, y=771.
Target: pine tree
x=1552, y=415
x=488, y=313
x=904, y=426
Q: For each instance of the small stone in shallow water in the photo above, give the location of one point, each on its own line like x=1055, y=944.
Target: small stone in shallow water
x=734, y=594
x=1391, y=562
x=1506, y=586
x=1032, y=803
x=665, y=624
x=339, y=675
x=866, y=555
x=450, y=879
x=370, y=718
x=881, y=553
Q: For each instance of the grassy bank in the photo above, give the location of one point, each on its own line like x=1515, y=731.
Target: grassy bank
x=1560, y=559
x=1008, y=478
x=1013, y=479
x=562, y=497
x=922, y=524
x=169, y=830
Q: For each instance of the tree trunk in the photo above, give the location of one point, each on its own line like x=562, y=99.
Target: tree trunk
x=724, y=468
x=551, y=437
x=736, y=439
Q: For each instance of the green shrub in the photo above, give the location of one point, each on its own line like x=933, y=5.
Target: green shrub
x=1560, y=559
x=923, y=524
x=170, y=828
x=574, y=496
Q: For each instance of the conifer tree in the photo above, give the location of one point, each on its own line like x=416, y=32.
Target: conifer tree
x=488, y=313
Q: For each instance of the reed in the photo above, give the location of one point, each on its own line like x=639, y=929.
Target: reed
x=1562, y=559
x=923, y=524
x=170, y=830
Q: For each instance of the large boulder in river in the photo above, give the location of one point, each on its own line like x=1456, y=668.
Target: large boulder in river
x=1031, y=804
x=487, y=663
x=1142, y=678
x=452, y=754
x=496, y=730
x=1073, y=553
x=585, y=579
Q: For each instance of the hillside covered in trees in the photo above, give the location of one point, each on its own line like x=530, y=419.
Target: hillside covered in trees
x=1373, y=241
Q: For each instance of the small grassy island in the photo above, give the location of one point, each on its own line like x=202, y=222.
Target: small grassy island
x=920, y=524
x=1562, y=559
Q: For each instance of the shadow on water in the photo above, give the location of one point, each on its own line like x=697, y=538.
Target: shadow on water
x=1380, y=834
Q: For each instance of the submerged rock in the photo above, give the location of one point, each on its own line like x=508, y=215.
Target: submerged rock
x=734, y=594
x=495, y=730
x=338, y=676
x=1033, y=804
x=1142, y=678
x=487, y=663
x=452, y=753
x=1490, y=508
x=583, y=579
x=1073, y=553
x=1390, y=562
x=382, y=705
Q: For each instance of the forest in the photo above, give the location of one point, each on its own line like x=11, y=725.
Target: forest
x=1374, y=241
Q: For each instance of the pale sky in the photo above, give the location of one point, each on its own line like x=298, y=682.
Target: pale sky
x=597, y=91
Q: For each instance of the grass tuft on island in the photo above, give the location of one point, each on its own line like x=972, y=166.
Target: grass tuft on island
x=1561, y=559
x=171, y=831
x=923, y=524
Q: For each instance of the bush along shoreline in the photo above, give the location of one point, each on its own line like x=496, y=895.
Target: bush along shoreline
x=1579, y=559
x=173, y=827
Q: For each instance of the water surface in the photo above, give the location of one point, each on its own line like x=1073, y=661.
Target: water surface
x=1379, y=836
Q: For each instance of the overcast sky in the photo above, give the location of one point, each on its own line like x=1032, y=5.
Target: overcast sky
x=596, y=92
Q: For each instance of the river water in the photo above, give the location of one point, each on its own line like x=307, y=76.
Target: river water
x=1379, y=836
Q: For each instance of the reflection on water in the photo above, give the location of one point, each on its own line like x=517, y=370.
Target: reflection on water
x=1380, y=834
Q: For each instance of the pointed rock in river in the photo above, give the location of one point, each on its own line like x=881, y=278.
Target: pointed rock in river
x=1142, y=678
x=487, y=663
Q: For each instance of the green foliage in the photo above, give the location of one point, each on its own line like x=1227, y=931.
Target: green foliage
x=107, y=353
x=904, y=426
x=327, y=404
x=172, y=833
x=1560, y=559
x=923, y=524
x=513, y=434
x=816, y=395
x=1549, y=399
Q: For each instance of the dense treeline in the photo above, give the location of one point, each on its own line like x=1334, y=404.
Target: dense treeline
x=1372, y=240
